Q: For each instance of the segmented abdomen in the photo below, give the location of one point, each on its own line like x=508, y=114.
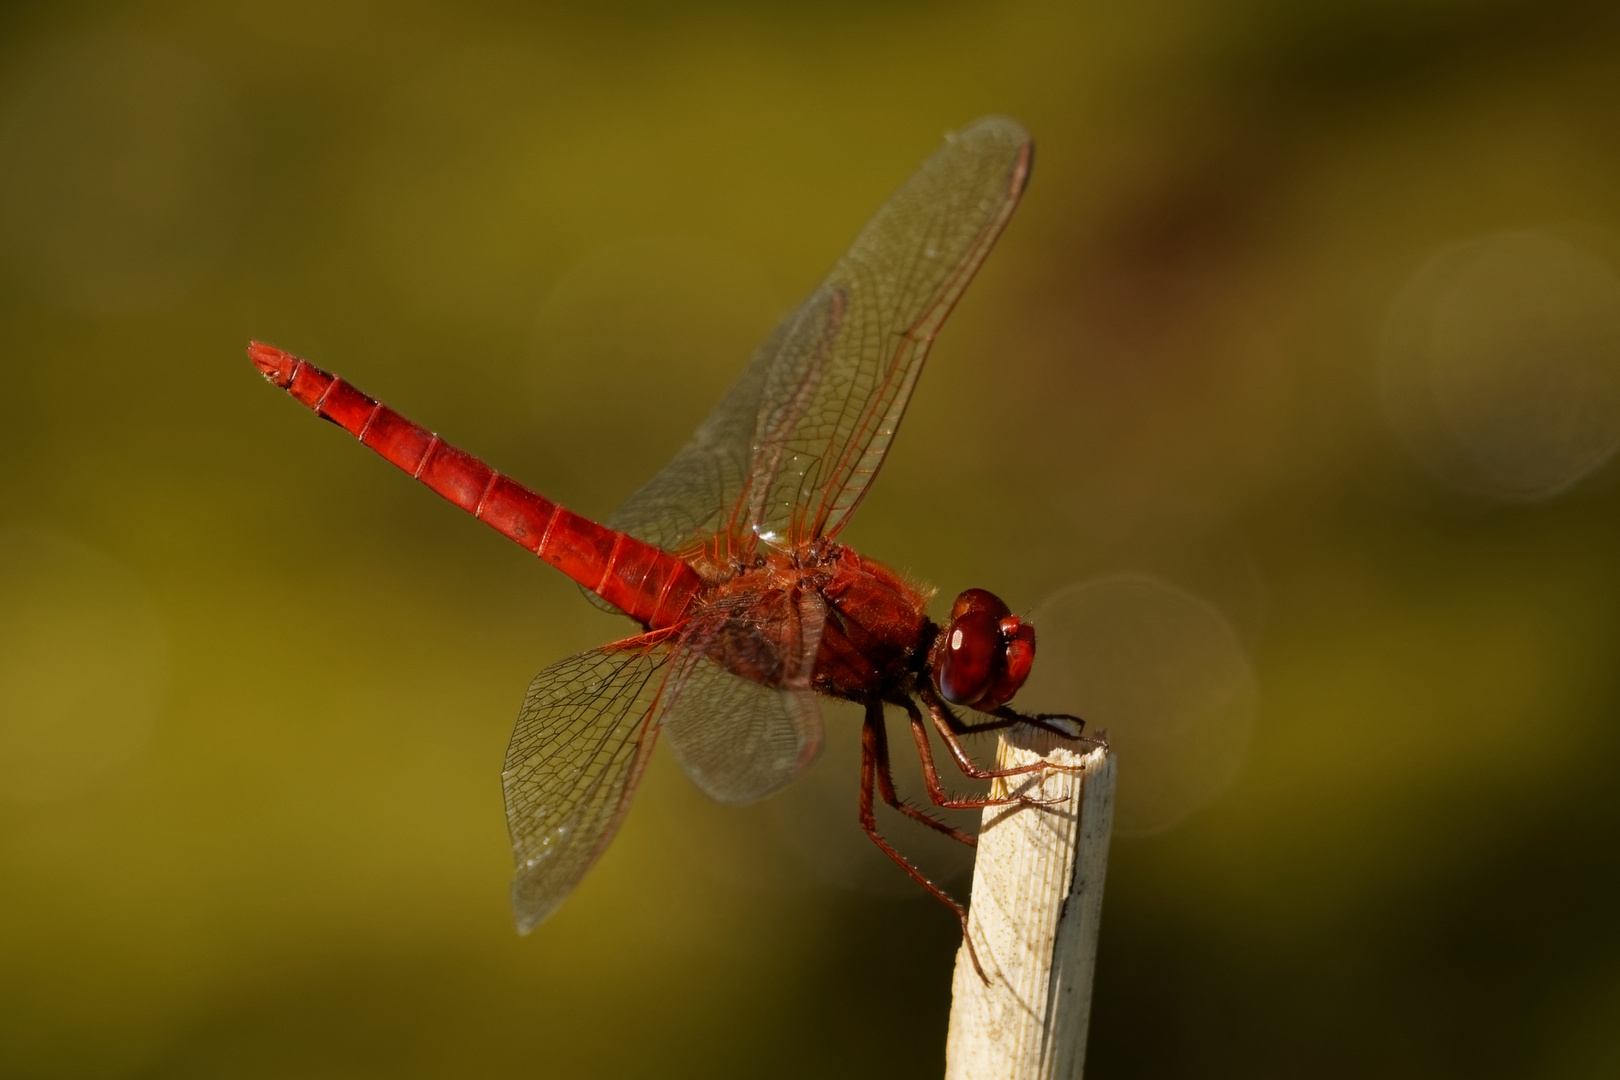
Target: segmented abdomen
x=648, y=584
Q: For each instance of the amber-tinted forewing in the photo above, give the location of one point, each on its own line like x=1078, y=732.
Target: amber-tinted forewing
x=790, y=450
x=582, y=740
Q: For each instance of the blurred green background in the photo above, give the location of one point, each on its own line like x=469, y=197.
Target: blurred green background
x=255, y=685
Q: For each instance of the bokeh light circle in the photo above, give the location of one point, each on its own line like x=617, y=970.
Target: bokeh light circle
x=1163, y=673
x=83, y=664
x=1501, y=365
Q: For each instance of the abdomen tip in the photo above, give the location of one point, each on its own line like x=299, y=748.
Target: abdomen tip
x=276, y=365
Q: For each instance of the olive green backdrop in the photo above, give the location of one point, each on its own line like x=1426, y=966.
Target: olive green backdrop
x=255, y=685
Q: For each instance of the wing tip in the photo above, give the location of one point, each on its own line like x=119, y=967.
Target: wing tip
x=1004, y=132
x=995, y=125
x=529, y=911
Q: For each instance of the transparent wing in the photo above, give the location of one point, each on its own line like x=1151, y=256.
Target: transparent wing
x=583, y=738
x=690, y=497
x=740, y=741
x=791, y=449
x=743, y=739
x=836, y=395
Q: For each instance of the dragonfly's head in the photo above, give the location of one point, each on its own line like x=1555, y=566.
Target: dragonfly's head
x=984, y=655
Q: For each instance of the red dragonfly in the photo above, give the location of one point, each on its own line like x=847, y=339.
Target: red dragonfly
x=729, y=558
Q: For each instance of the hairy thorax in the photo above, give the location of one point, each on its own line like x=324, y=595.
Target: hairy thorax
x=820, y=617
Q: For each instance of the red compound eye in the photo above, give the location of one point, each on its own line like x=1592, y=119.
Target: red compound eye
x=979, y=600
x=1018, y=656
x=972, y=657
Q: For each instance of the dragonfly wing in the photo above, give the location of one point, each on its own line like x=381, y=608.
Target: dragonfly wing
x=582, y=741
x=686, y=500
x=845, y=368
x=740, y=739
x=792, y=447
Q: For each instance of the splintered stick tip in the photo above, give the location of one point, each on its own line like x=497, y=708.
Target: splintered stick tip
x=276, y=365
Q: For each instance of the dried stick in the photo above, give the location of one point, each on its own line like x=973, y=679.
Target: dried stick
x=1034, y=914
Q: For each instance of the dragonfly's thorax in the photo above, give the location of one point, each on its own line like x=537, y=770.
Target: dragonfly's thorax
x=726, y=566
x=876, y=629
x=816, y=616
x=761, y=613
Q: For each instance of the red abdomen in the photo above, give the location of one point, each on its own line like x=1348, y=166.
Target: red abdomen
x=648, y=584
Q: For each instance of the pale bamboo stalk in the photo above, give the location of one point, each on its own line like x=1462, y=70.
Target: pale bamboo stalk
x=1034, y=915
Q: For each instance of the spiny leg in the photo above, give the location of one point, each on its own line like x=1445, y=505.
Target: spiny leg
x=948, y=726
x=1006, y=714
x=872, y=738
x=936, y=790
x=885, y=782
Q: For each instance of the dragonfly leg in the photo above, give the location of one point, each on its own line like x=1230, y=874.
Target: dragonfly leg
x=874, y=747
x=885, y=787
x=1007, y=715
x=936, y=790
x=951, y=729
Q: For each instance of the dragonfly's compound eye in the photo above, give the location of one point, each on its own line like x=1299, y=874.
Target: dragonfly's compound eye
x=985, y=654
x=972, y=657
x=979, y=600
x=1017, y=657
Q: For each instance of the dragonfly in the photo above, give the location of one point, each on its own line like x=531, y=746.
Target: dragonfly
x=749, y=606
